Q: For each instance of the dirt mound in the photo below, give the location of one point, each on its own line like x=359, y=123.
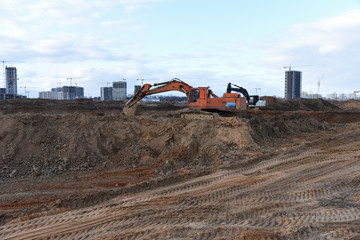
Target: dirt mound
x=46, y=145
x=283, y=126
x=46, y=106
x=299, y=104
x=37, y=145
x=351, y=105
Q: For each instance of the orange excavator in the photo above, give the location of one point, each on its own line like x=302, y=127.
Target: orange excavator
x=201, y=97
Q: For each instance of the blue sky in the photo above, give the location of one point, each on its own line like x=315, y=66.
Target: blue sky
x=204, y=43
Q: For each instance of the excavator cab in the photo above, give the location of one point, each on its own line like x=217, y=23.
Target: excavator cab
x=194, y=95
x=253, y=99
x=198, y=97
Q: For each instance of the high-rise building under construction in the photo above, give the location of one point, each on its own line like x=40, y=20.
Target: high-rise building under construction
x=137, y=88
x=293, y=84
x=11, y=81
x=106, y=93
x=63, y=93
x=72, y=92
x=119, y=90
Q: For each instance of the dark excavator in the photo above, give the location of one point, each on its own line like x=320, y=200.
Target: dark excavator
x=251, y=99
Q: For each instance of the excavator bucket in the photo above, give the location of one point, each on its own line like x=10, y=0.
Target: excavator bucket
x=129, y=111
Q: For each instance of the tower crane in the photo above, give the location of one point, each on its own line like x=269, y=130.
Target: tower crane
x=4, y=74
x=288, y=67
x=141, y=80
x=107, y=83
x=70, y=79
x=318, y=84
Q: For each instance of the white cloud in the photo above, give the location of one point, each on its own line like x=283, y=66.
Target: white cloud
x=347, y=21
x=82, y=38
x=13, y=31
x=122, y=24
x=62, y=30
x=328, y=46
x=326, y=36
x=41, y=38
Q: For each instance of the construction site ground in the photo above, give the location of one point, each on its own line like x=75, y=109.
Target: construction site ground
x=83, y=170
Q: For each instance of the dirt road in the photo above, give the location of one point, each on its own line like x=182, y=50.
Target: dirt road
x=310, y=191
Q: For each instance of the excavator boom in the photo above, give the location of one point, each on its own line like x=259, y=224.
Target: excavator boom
x=174, y=84
x=238, y=89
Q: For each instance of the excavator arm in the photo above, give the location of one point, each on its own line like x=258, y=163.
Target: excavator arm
x=238, y=89
x=174, y=84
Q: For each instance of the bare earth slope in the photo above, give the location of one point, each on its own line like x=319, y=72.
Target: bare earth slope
x=312, y=192
x=258, y=175
x=46, y=145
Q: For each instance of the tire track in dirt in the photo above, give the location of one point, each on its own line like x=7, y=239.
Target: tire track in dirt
x=268, y=200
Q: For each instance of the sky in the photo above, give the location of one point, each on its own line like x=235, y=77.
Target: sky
x=202, y=42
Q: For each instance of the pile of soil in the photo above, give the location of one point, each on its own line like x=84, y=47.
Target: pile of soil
x=351, y=105
x=46, y=106
x=90, y=135
x=281, y=126
x=42, y=145
x=47, y=145
x=299, y=104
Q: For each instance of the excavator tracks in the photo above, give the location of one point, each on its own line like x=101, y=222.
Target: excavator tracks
x=312, y=194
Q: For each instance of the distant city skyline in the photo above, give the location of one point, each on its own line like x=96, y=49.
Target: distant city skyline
x=244, y=42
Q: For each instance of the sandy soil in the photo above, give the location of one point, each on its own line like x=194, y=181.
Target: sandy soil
x=83, y=170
